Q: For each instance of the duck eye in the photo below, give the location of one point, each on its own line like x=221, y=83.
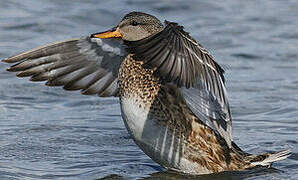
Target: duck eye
x=134, y=23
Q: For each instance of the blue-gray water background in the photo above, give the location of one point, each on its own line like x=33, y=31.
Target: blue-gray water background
x=48, y=133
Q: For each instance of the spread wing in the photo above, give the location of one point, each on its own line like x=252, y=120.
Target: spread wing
x=179, y=59
x=87, y=64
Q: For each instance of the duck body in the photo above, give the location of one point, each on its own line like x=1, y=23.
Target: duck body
x=162, y=125
x=139, y=92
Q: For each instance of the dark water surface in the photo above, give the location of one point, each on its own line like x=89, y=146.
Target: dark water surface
x=47, y=133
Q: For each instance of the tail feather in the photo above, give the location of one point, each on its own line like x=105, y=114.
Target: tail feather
x=268, y=158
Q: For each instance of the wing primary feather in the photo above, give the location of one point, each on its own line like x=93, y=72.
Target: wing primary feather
x=110, y=90
x=150, y=53
x=154, y=59
x=99, y=85
x=96, y=77
x=84, y=72
x=26, y=64
x=166, y=60
x=46, y=50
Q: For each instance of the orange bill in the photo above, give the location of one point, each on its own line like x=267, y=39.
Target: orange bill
x=113, y=33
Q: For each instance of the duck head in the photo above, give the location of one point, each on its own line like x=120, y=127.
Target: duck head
x=134, y=26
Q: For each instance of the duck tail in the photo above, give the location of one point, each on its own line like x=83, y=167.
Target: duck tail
x=268, y=158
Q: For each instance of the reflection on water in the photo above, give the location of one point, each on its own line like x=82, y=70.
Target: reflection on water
x=47, y=133
x=232, y=175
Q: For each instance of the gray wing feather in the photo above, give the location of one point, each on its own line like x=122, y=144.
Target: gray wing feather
x=177, y=58
x=207, y=98
x=209, y=109
x=86, y=64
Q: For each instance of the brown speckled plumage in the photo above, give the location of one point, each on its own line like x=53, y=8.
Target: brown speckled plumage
x=136, y=81
x=200, y=143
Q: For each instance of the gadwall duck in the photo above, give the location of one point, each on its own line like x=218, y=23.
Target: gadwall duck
x=172, y=92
